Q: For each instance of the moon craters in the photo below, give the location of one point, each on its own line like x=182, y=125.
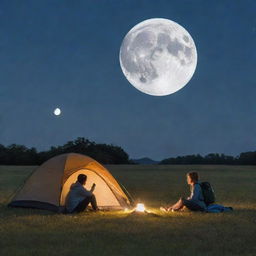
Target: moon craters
x=158, y=56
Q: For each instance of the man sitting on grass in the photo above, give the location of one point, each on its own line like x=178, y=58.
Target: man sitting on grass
x=78, y=197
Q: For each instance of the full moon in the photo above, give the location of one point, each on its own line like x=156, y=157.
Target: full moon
x=158, y=57
x=57, y=111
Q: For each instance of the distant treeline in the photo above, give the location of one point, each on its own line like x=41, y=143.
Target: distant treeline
x=108, y=154
x=103, y=153
x=246, y=158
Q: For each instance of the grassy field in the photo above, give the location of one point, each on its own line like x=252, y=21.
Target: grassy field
x=36, y=232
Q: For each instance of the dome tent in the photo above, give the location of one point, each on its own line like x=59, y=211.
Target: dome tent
x=49, y=185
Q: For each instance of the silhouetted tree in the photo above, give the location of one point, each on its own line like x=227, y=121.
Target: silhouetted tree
x=104, y=153
x=212, y=158
x=247, y=158
x=108, y=154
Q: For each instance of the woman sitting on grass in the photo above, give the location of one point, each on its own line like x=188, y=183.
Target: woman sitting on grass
x=195, y=202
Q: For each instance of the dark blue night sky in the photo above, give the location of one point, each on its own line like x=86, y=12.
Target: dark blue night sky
x=66, y=54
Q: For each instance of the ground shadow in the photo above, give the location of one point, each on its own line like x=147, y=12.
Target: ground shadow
x=6, y=211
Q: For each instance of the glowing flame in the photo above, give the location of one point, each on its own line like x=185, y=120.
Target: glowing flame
x=140, y=208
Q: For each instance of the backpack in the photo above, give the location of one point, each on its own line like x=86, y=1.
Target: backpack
x=208, y=193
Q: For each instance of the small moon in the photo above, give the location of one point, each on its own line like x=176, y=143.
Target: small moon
x=57, y=111
x=158, y=57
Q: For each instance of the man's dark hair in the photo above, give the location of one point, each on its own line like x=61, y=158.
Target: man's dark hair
x=81, y=178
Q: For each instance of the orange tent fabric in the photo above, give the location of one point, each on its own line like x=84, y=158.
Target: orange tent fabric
x=48, y=186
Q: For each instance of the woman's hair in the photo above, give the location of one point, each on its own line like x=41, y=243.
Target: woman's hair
x=81, y=178
x=193, y=176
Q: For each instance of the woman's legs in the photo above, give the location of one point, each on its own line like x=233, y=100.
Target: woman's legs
x=177, y=206
x=192, y=206
x=182, y=202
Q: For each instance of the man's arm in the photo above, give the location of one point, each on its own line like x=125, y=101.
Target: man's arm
x=84, y=192
x=93, y=187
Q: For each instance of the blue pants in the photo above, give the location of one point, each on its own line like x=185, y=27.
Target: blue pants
x=192, y=205
x=83, y=204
